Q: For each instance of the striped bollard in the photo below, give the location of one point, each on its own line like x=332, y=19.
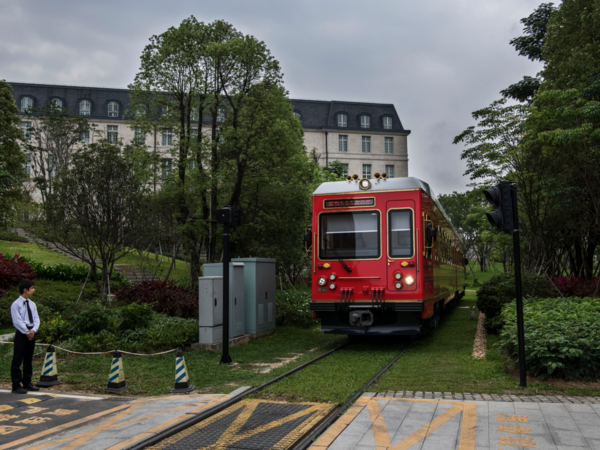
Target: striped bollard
x=116, y=377
x=182, y=381
x=49, y=375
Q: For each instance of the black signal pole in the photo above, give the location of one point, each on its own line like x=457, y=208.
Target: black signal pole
x=225, y=358
x=518, y=289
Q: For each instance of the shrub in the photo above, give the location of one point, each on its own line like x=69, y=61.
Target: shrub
x=166, y=332
x=14, y=269
x=69, y=272
x=574, y=286
x=135, y=316
x=163, y=297
x=561, y=337
x=6, y=235
x=293, y=308
x=53, y=331
x=100, y=342
x=91, y=320
x=500, y=290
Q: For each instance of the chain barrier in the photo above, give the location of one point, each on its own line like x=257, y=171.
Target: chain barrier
x=99, y=353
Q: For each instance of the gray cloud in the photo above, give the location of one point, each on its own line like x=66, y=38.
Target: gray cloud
x=437, y=61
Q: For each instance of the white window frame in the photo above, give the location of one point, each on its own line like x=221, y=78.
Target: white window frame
x=343, y=143
x=389, y=170
x=365, y=121
x=387, y=123
x=297, y=115
x=344, y=169
x=366, y=144
x=389, y=145
x=195, y=115
x=342, y=121
x=366, y=170
x=57, y=102
x=221, y=115
x=112, y=133
x=26, y=129
x=113, y=109
x=167, y=167
x=167, y=136
x=85, y=108
x=139, y=137
x=26, y=104
x=85, y=136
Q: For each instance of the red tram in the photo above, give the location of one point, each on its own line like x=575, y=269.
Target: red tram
x=386, y=259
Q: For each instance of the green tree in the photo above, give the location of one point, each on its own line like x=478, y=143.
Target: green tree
x=12, y=157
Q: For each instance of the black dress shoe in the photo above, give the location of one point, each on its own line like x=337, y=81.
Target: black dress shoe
x=31, y=387
x=19, y=390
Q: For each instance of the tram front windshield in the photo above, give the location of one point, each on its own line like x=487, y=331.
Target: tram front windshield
x=349, y=235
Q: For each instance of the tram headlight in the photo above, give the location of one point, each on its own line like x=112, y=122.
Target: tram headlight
x=410, y=280
x=322, y=281
x=398, y=285
x=332, y=277
x=398, y=276
x=332, y=286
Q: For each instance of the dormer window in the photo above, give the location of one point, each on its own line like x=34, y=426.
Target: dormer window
x=365, y=121
x=342, y=121
x=56, y=102
x=221, y=115
x=26, y=104
x=297, y=114
x=85, y=108
x=195, y=115
x=113, y=109
x=387, y=123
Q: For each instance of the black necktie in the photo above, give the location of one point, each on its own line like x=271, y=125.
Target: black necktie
x=29, y=312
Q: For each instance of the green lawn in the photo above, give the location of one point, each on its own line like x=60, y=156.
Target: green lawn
x=475, y=272
x=35, y=252
x=149, y=261
x=441, y=362
x=155, y=375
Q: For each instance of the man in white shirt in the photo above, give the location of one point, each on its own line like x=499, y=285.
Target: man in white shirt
x=26, y=320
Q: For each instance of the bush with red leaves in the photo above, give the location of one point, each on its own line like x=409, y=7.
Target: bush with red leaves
x=13, y=270
x=573, y=286
x=162, y=297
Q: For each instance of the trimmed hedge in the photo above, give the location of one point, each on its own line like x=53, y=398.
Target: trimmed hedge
x=293, y=308
x=163, y=297
x=500, y=290
x=562, y=337
x=70, y=272
x=6, y=235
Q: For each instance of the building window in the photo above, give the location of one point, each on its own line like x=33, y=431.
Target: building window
x=221, y=115
x=297, y=115
x=26, y=130
x=344, y=169
x=167, y=166
x=366, y=171
x=343, y=143
x=192, y=164
x=387, y=123
x=342, y=120
x=28, y=165
x=85, y=136
x=26, y=104
x=113, y=134
x=366, y=144
x=113, y=109
x=56, y=102
x=365, y=122
x=139, y=137
x=167, y=136
x=389, y=170
x=85, y=108
x=51, y=170
x=389, y=145
x=140, y=111
x=194, y=133
x=195, y=115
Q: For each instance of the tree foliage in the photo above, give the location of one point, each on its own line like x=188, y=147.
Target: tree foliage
x=12, y=158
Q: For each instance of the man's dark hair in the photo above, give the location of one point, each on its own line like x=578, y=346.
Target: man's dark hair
x=25, y=284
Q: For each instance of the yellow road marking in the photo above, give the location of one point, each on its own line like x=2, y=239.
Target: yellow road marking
x=380, y=432
x=422, y=432
x=336, y=429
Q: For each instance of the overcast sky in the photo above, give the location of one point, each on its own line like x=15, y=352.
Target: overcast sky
x=435, y=60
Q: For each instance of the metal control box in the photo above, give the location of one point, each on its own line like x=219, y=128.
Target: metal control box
x=210, y=301
x=236, y=294
x=259, y=294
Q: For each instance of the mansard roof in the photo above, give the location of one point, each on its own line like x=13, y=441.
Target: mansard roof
x=315, y=114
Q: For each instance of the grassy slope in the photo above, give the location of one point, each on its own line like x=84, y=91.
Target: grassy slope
x=482, y=277
x=44, y=255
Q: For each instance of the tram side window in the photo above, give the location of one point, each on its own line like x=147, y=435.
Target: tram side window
x=401, y=233
x=349, y=235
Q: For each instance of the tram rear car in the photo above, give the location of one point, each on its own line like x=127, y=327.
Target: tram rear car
x=386, y=259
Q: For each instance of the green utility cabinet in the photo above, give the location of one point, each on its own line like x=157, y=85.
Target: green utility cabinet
x=259, y=294
x=236, y=294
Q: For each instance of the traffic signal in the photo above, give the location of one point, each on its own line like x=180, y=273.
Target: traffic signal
x=503, y=216
x=231, y=216
x=236, y=220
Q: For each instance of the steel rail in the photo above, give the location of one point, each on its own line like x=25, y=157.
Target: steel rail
x=223, y=405
x=308, y=440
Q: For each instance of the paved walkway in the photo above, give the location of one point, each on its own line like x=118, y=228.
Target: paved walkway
x=88, y=422
x=399, y=421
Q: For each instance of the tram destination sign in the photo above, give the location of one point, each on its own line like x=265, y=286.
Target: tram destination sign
x=349, y=202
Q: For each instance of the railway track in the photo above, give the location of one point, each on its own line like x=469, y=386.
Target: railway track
x=305, y=440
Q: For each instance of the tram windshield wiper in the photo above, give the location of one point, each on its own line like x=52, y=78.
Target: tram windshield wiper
x=339, y=257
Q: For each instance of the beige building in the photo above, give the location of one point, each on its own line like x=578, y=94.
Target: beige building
x=367, y=138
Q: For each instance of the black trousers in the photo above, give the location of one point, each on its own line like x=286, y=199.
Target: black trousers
x=23, y=354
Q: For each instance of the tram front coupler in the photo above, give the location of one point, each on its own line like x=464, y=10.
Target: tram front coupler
x=361, y=318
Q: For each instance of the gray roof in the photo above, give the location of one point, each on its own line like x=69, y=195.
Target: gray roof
x=315, y=114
